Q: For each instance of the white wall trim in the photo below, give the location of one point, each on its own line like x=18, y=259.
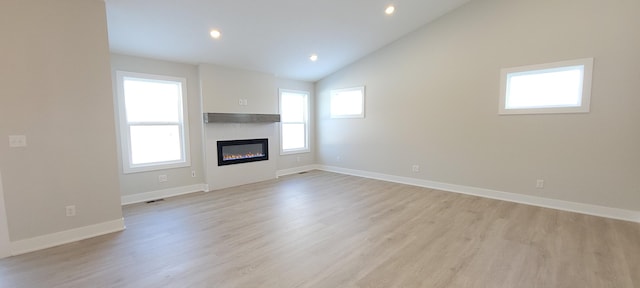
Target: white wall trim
x=64, y=237
x=589, y=209
x=164, y=193
x=5, y=244
x=296, y=170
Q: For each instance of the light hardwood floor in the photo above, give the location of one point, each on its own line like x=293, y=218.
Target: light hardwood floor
x=322, y=229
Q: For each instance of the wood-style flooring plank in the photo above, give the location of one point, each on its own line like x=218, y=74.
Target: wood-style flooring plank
x=322, y=229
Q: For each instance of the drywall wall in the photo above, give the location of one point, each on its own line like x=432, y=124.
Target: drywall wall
x=432, y=100
x=222, y=88
x=57, y=92
x=147, y=182
x=219, y=177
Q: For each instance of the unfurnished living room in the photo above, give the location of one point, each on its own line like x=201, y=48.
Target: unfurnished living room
x=297, y=143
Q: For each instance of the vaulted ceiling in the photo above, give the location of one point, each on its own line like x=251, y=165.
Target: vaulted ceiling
x=270, y=36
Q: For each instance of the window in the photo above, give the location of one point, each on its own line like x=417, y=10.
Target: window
x=294, y=125
x=561, y=87
x=347, y=103
x=153, y=126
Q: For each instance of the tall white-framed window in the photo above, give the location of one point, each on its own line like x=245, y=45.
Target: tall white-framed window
x=294, y=121
x=154, y=131
x=347, y=103
x=559, y=87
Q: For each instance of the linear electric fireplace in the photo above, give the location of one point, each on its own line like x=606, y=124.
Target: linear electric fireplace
x=242, y=151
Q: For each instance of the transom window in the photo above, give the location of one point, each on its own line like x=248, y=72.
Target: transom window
x=560, y=87
x=153, y=126
x=347, y=103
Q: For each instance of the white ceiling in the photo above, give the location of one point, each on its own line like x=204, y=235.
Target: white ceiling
x=271, y=36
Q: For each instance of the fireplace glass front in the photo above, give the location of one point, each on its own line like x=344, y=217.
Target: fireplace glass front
x=242, y=151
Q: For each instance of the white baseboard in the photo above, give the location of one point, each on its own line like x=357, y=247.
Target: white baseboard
x=64, y=237
x=590, y=209
x=164, y=193
x=295, y=170
x=5, y=244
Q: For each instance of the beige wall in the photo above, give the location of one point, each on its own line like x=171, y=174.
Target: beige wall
x=142, y=182
x=432, y=100
x=219, y=177
x=56, y=90
x=221, y=89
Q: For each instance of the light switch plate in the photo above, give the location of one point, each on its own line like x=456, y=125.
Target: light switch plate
x=17, y=141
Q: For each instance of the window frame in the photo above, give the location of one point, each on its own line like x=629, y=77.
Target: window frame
x=124, y=125
x=306, y=117
x=335, y=93
x=585, y=100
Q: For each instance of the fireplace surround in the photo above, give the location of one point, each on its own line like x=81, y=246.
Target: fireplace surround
x=242, y=151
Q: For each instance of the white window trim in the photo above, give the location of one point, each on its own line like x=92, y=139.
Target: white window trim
x=586, y=87
x=125, y=139
x=334, y=93
x=306, y=149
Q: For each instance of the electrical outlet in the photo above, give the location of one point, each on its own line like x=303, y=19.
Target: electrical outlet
x=162, y=178
x=17, y=141
x=539, y=183
x=415, y=168
x=71, y=210
x=193, y=173
x=338, y=158
x=298, y=159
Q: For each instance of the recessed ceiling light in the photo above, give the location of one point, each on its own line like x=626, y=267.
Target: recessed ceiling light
x=215, y=34
x=390, y=9
x=313, y=57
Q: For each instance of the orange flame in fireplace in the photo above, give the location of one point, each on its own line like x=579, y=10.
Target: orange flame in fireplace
x=226, y=157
